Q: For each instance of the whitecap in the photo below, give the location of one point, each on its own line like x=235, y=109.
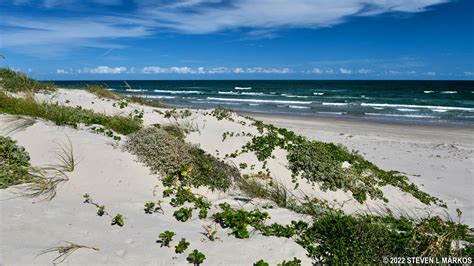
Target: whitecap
x=449, y=92
x=332, y=113
x=318, y=93
x=294, y=96
x=396, y=115
x=298, y=107
x=227, y=92
x=256, y=100
x=243, y=88
x=178, y=92
x=419, y=106
x=406, y=110
x=428, y=91
x=336, y=104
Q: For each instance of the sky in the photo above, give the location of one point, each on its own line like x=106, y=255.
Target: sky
x=238, y=39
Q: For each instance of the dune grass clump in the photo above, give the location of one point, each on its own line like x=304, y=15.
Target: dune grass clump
x=43, y=184
x=102, y=92
x=64, y=115
x=65, y=250
x=165, y=152
x=14, y=81
x=14, y=163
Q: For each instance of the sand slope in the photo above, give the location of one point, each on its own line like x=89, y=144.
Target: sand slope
x=113, y=178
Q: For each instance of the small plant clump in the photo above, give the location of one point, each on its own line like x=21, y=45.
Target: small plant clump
x=261, y=263
x=118, y=220
x=152, y=207
x=165, y=238
x=14, y=163
x=222, y=113
x=183, y=214
x=239, y=220
x=294, y=262
x=196, y=257
x=181, y=246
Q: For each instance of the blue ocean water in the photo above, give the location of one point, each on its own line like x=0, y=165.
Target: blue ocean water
x=427, y=101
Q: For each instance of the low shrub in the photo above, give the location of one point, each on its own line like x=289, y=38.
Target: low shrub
x=14, y=163
x=162, y=152
x=171, y=156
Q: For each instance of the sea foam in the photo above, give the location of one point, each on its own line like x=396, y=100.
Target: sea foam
x=256, y=100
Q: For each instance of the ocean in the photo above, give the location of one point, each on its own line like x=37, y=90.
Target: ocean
x=409, y=101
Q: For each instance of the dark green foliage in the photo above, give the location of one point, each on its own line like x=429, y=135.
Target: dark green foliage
x=183, y=214
x=211, y=172
x=165, y=238
x=321, y=163
x=182, y=196
x=261, y=263
x=222, y=113
x=294, y=262
x=14, y=81
x=181, y=246
x=63, y=115
x=118, y=220
x=149, y=207
x=196, y=257
x=101, y=210
x=239, y=220
x=339, y=238
x=14, y=163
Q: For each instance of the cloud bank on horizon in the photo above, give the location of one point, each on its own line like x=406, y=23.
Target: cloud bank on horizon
x=52, y=28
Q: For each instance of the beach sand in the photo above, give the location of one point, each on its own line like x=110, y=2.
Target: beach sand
x=439, y=159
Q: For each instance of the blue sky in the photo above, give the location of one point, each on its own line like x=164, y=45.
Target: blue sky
x=239, y=39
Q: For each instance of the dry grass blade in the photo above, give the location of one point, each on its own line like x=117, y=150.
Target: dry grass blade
x=65, y=250
x=44, y=183
x=65, y=155
x=15, y=124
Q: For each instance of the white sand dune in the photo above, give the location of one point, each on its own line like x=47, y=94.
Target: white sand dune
x=114, y=178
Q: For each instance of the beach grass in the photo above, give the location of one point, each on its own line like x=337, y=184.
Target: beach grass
x=63, y=115
x=14, y=81
x=65, y=249
x=102, y=92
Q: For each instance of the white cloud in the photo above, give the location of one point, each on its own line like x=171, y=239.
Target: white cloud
x=272, y=14
x=61, y=71
x=316, y=71
x=46, y=36
x=469, y=73
x=430, y=73
x=103, y=70
x=174, y=70
x=345, y=71
x=364, y=71
x=253, y=70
